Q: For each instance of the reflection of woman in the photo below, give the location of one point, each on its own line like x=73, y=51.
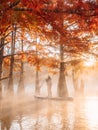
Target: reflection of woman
x=49, y=85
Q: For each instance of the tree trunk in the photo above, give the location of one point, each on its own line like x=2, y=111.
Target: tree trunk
x=22, y=65
x=37, y=90
x=21, y=81
x=1, y=55
x=1, y=62
x=75, y=82
x=10, y=84
x=81, y=90
x=0, y=90
x=62, y=87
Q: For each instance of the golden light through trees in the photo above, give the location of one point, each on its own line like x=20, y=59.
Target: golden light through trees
x=48, y=50
x=65, y=26
x=89, y=62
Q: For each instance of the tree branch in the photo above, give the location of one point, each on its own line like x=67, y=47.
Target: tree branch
x=4, y=78
x=14, y=3
x=68, y=11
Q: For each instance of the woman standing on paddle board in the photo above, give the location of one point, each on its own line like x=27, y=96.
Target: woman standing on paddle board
x=49, y=85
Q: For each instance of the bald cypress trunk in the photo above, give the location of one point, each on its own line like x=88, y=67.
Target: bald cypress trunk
x=1, y=55
x=10, y=84
x=62, y=87
x=1, y=61
x=21, y=80
x=75, y=82
x=21, y=83
x=81, y=90
x=37, y=91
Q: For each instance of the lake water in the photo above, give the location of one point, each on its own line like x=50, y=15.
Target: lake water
x=27, y=113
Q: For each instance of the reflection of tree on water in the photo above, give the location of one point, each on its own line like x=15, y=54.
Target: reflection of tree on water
x=78, y=110
x=56, y=115
x=61, y=117
x=49, y=114
x=6, y=118
x=37, y=112
x=45, y=115
x=20, y=121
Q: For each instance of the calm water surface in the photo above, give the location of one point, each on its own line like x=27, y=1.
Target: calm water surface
x=27, y=113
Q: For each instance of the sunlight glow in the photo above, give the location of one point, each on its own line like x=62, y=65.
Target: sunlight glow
x=91, y=112
x=89, y=62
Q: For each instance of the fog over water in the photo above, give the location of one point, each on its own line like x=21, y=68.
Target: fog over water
x=27, y=113
x=22, y=111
